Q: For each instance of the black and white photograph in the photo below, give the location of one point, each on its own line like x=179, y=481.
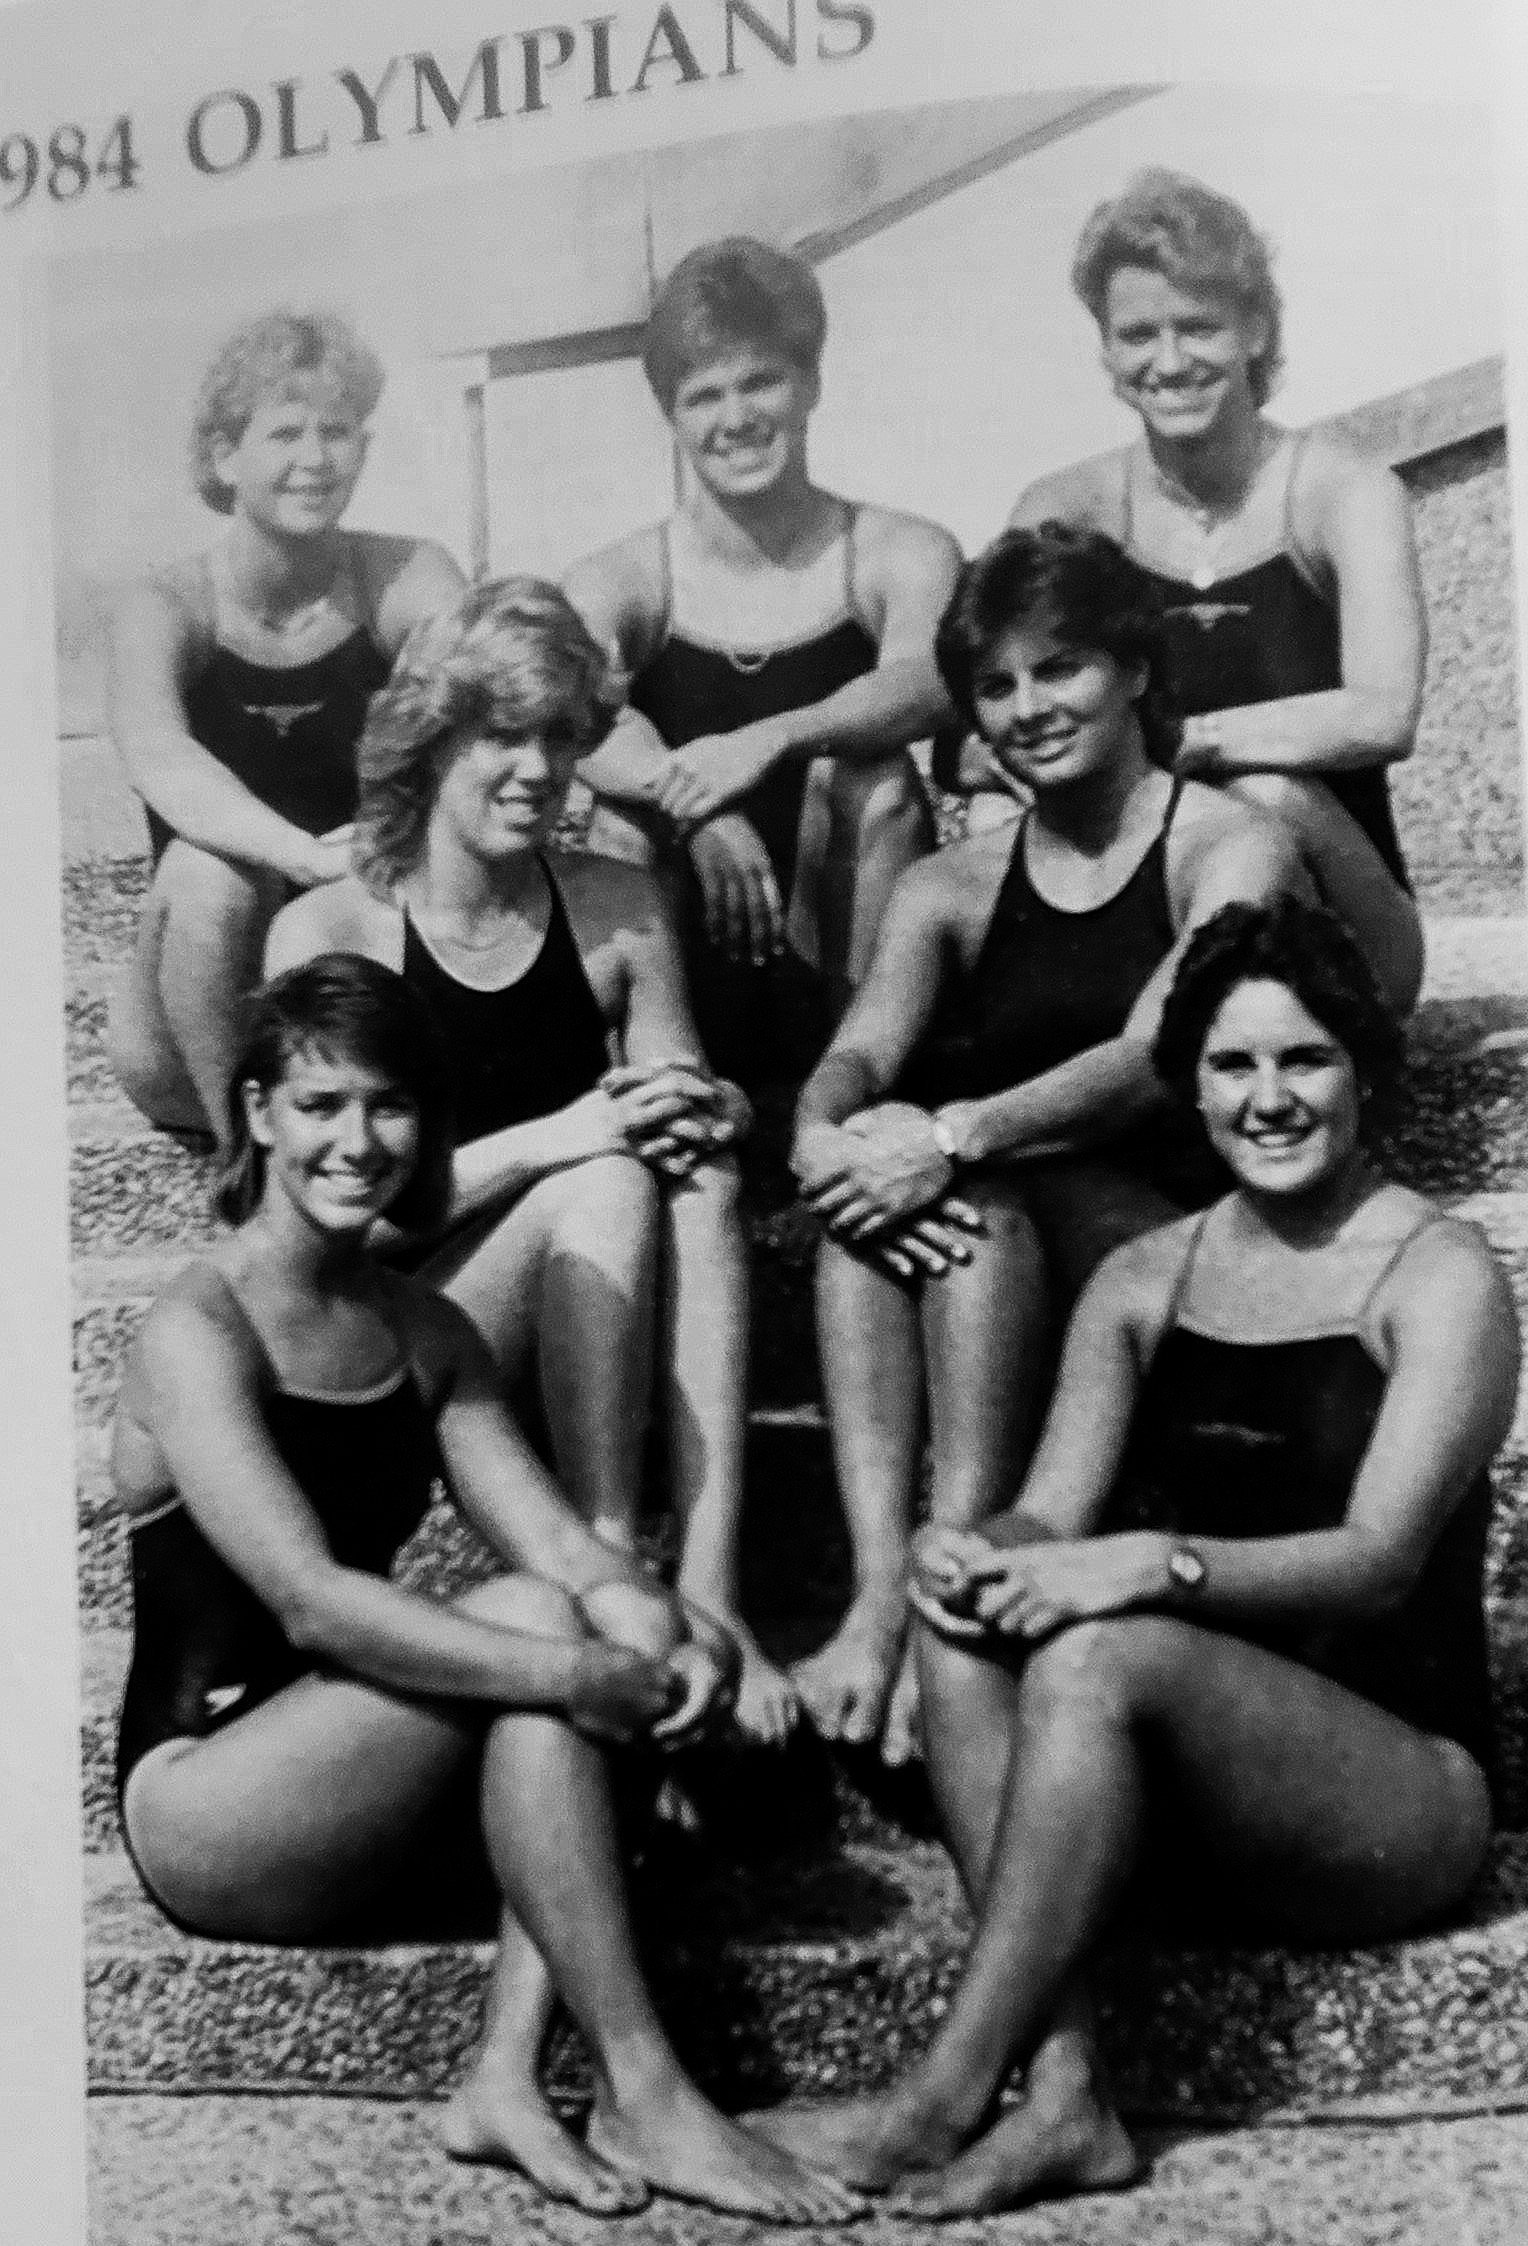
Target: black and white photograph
x=793, y=1016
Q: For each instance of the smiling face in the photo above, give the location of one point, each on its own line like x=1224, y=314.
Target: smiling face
x=741, y=420
x=1054, y=714
x=295, y=464
x=500, y=795
x=340, y=1140
x=1177, y=358
x=1278, y=1092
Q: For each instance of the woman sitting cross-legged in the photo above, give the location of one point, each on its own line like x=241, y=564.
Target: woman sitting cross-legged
x=986, y=1124
x=1228, y=1642
x=575, y=1181
x=302, y=1737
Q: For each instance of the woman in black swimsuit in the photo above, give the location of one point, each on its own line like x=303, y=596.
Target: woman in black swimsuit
x=999, y=1052
x=300, y=1733
x=240, y=680
x=1285, y=560
x=593, y=1185
x=779, y=645
x=1230, y=1634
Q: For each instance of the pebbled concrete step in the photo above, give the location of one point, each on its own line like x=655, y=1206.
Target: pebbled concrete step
x=185, y=2172
x=821, y=1975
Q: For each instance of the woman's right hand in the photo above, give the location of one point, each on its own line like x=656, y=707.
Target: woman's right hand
x=744, y=915
x=616, y=1696
x=323, y=857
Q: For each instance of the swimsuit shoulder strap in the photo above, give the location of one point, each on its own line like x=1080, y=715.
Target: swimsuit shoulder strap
x=1183, y=1279
x=1126, y=533
x=849, y=537
x=1392, y=1262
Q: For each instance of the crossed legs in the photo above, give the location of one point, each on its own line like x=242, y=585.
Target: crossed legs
x=1324, y=1819
x=275, y=1827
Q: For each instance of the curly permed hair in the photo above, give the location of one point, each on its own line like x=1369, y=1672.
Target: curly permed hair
x=280, y=355
x=512, y=656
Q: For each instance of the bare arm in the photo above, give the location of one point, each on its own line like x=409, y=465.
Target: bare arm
x=1362, y=531
x=1100, y=1092
x=618, y=594
x=200, y=1377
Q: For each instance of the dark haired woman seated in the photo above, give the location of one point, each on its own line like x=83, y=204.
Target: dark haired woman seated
x=302, y=1737
x=986, y=1124
x=1230, y=1633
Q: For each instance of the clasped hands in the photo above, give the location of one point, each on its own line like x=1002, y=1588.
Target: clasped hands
x=674, y=1114
x=1006, y=1580
x=880, y=1184
x=654, y=1669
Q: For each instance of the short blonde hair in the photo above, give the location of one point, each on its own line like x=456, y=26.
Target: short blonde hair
x=280, y=355
x=1201, y=241
x=512, y=656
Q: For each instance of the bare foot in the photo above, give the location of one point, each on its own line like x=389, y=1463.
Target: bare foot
x=901, y=1737
x=681, y=2146
x=1047, y=2148
x=844, y=1687
x=511, y=2126
x=767, y=1708
x=869, y=2143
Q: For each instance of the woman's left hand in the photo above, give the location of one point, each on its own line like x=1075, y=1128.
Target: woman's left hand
x=675, y=1114
x=1031, y=1590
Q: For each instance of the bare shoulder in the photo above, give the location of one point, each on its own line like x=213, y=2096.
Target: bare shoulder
x=957, y=883
x=608, y=893
x=618, y=589
x=1449, y=1268
x=1240, y=840
x=438, y=1338
x=1336, y=480
x=194, y=1320
x=339, y=916
x=889, y=543
x=406, y=580
x=169, y=605
x=1084, y=493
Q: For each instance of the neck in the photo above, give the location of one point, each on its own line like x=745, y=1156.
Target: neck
x=762, y=529
x=453, y=885
x=275, y=576
x=1313, y=1219
x=1092, y=814
x=1216, y=468
x=300, y=1254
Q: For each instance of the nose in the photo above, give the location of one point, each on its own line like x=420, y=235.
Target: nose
x=310, y=448
x=1170, y=355
x=354, y=1131
x=1028, y=701
x=1270, y=1091
x=532, y=766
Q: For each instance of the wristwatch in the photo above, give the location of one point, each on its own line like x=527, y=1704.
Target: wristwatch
x=944, y=1138
x=1186, y=1569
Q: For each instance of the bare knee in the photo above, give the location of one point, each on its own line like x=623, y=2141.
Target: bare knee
x=525, y=1602
x=608, y=1210
x=1113, y=1665
x=201, y=895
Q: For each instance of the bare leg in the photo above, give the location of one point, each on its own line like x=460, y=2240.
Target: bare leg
x=872, y=1368
x=566, y=1280
x=878, y=824
x=986, y=1331
x=175, y=1025
x=704, y=1359
x=1329, y=1820
x=1350, y=875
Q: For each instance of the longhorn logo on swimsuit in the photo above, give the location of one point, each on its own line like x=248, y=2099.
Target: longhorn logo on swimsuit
x=218, y=1700
x=1208, y=613
x=282, y=715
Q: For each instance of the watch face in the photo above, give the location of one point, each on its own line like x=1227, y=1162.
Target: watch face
x=1187, y=1568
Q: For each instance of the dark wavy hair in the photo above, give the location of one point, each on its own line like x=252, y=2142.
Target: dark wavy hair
x=345, y=1008
x=1200, y=241
x=512, y=656
x=1311, y=952
x=1092, y=592
x=281, y=355
x=727, y=296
